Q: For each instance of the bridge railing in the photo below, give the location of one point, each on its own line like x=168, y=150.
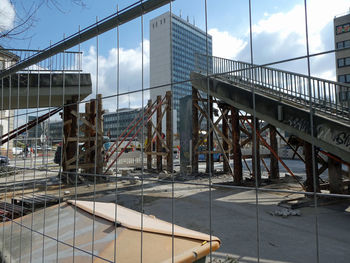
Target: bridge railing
x=332, y=98
x=69, y=61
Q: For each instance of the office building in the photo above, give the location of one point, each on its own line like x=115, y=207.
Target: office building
x=55, y=131
x=342, y=45
x=172, y=56
x=36, y=131
x=114, y=123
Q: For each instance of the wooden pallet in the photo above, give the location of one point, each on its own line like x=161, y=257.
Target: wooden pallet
x=36, y=200
x=7, y=209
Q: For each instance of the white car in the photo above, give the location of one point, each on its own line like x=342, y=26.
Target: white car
x=17, y=150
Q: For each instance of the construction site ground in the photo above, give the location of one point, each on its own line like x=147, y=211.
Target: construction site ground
x=236, y=219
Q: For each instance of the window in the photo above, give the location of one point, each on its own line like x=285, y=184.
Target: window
x=341, y=78
x=342, y=29
x=343, y=62
x=343, y=44
x=347, y=43
x=340, y=62
x=340, y=45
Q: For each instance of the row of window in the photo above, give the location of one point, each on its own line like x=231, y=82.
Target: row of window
x=343, y=44
x=342, y=29
x=161, y=21
x=344, y=78
x=343, y=62
x=191, y=29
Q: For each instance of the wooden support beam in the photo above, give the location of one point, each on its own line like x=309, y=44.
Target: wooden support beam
x=169, y=132
x=237, y=154
x=225, y=145
x=70, y=129
x=87, y=123
x=335, y=177
x=309, y=184
x=274, y=168
x=149, y=140
x=159, y=136
x=159, y=131
x=210, y=142
x=195, y=131
x=87, y=134
x=212, y=127
x=265, y=165
x=81, y=154
x=256, y=152
x=294, y=150
x=99, y=131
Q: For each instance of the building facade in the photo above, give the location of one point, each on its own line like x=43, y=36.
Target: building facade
x=342, y=45
x=7, y=59
x=172, y=56
x=36, y=131
x=114, y=123
x=56, y=130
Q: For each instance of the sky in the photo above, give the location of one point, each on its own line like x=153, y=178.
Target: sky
x=278, y=32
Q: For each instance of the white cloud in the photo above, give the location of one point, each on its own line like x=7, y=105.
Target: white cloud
x=7, y=15
x=130, y=69
x=281, y=35
x=225, y=45
x=285, y=24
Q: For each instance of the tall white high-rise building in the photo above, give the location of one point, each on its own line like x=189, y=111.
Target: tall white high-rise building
x=172, y=56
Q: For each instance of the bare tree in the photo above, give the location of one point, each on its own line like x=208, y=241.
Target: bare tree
x=26, y=16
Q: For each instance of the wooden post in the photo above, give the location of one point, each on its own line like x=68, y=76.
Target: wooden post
x=274, y=169
x=169, y=132
x=309, y=169
x=149, y=140
x=92, y=135
x=237, y=154
x=210, y=140
x=159, y=129
x=256, y=148
x=87, y=134
x=99, y=131
x=226, y=165
x=335, y=176
x=195, y=131
x=69, y=131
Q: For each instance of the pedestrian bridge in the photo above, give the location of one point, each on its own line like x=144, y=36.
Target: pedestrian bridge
x=283, y=99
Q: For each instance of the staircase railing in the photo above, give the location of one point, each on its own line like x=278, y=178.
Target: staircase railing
x=329, y=97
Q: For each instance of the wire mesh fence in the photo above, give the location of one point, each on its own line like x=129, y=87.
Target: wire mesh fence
x=203, y=159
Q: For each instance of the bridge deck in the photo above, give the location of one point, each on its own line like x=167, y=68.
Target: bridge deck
x=282, y=99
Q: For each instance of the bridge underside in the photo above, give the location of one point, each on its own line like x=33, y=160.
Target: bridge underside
x=32, y=90
x=332, y=135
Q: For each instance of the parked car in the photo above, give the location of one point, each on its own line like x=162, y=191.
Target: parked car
x=17, y=150
x=4, y=160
